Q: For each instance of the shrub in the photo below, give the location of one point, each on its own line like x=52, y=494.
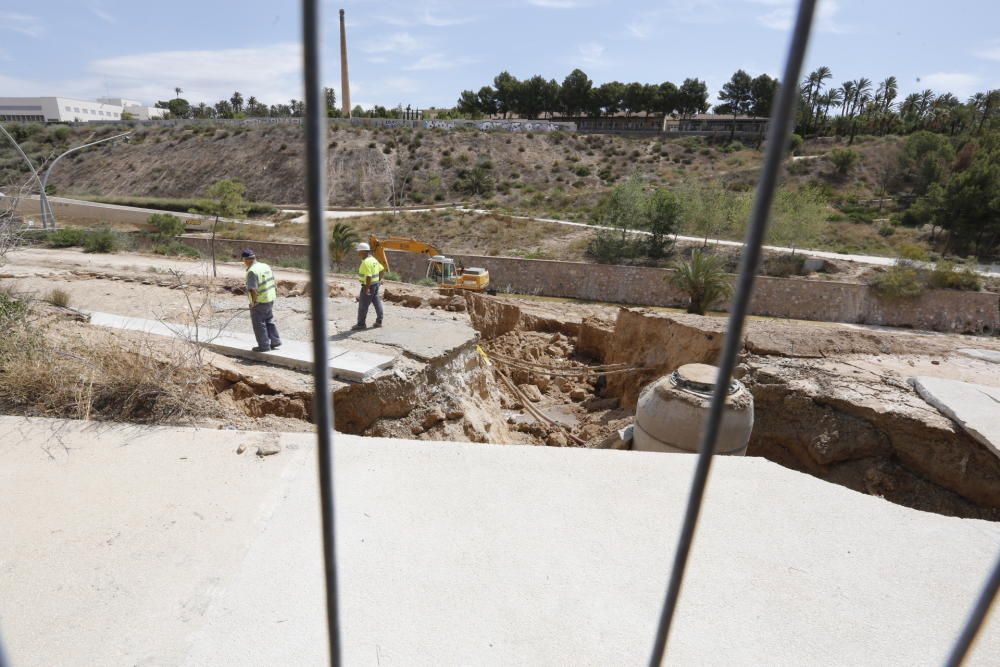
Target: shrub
x=65, y=238
x=101, y=241
x=167, y=226
x=899, y=281
x=782, y=266
x=948, y=276
x=795, y=144
x=58, y=297
x=175, y=249
x=843, y=160
x=886, y=229
x=427, y=282
x=392, y=275
x=703, y=280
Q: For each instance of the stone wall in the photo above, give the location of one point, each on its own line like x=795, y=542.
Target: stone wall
x=936, y=310
x=486, y=125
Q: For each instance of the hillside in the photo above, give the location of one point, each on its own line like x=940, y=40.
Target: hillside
x=554, y=175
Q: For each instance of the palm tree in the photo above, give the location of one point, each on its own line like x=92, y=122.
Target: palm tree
x=703, y=279
x=237, y=101
x=813, y=85
x=177, y=92
x=342, y=241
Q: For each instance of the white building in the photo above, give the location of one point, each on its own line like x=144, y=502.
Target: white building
x=68, y=110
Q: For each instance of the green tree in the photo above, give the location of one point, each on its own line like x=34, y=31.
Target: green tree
x=692, y=97
x=608, y=98
x=507, y=88
x=468, y=103
x=225, y=199
x=178, y=107
x=623, y=211
x=737, y=93
x=666, y=99
x=331, y=102
x=797, y=218
x=663, y=220
x=237, y=101
x=763, y=90
x=533, y=97
x=487, y=100
x=167, y=226
x=342, y=243
x=925, y=159
x=575, y=94
x=703, y=279
x=970, y=202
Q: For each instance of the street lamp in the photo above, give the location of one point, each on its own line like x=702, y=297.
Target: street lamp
x=31, y=166
x=47, y=214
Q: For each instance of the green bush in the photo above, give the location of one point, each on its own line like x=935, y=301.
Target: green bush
x=392, y=275
x=843, y=160
x=795, y=144
x=427, y=282
x=101, y=241
x=948, y=276
x=175, y=249
x=784, y=265
x=167, y=226
x=900, y=281
x=886, y=229
x=66, y=238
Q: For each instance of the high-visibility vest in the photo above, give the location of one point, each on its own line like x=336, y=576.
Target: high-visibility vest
x=370, y=267
x=266, y=292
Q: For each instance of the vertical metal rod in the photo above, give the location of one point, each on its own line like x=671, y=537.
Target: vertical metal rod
x=316, y=196
x=976, y=618
x=778, y=136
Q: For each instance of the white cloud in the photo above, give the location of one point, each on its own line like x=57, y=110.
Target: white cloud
x=400, y=42
x=24, y=24
x=560, y=4
x=782, y=14
x=441, y=21
x=102, y=14
x=271, y=73
x=591, y=54
x=991, y=52
x=436, y=61
x=958, y=83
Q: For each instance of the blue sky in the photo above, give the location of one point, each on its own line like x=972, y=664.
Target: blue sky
x=423, y=52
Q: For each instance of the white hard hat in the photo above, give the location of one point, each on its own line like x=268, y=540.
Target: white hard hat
x=363, y=246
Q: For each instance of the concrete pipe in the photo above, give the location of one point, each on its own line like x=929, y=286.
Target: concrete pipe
x=671, y=413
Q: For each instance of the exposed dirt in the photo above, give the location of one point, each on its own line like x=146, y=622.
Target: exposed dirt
x=831, y=400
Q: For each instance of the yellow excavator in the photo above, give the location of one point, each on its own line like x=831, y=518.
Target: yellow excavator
x=440, y=269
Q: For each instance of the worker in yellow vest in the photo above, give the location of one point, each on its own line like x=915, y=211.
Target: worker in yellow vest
x=370, y=276
x=261, y=290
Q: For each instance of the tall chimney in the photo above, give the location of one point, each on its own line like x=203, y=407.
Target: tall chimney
x=345, y=79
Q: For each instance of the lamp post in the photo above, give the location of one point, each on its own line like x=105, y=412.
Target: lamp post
x=47, y=214
x=34, y=172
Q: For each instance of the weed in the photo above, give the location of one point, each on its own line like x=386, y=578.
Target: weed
x=58, y=297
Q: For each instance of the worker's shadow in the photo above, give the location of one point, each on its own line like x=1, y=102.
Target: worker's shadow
x=344, y=335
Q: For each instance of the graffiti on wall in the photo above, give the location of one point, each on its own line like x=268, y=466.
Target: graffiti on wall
x=518, y=125
x=439, y=125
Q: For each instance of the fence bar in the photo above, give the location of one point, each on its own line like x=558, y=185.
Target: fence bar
x=780, y=130
x=316, y=197
x=976, y=618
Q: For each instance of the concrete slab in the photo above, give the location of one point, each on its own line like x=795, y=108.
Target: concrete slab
x=992, y=356
x=165, y=547
x=344, y=363
x=974, y=407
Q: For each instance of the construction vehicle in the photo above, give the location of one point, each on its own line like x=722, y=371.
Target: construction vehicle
x=440, y=269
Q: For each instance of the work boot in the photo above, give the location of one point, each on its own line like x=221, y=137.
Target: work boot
x=275, y=346
x=358, y=327
x=260, y=349
x=377, y=325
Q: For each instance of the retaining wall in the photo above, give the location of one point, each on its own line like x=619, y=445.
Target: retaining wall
x=513, y=125
x=936, y=310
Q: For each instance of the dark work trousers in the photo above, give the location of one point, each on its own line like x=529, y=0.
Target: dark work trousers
x=365, y=300
x=262, y=316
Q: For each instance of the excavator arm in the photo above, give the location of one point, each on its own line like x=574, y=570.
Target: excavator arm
x=379, y=246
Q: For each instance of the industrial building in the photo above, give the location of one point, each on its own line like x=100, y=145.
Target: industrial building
x=69, y=110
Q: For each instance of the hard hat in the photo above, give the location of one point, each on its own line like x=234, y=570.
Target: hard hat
x=248, y=253
x=363, y=246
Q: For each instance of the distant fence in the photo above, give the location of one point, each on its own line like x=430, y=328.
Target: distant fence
x=820, y=300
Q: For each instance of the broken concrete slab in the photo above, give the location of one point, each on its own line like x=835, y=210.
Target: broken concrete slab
x=198, y=556
x=992, y=356
x=344, y=363
x=974, y=407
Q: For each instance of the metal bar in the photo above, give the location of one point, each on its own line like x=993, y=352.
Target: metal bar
x=316, y=196
x=779, y=134
x=47, y=215
x=976, y=618
x=34, y=172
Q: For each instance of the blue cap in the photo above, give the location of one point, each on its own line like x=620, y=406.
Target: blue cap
x=247, y=252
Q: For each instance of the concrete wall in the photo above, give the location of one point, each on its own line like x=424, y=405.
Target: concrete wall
x=515, y=125
x=936, y=310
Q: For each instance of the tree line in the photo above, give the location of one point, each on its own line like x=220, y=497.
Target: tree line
x=577, y=95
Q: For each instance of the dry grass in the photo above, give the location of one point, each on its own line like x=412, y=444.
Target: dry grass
x=102, y=377
x=58, y=297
